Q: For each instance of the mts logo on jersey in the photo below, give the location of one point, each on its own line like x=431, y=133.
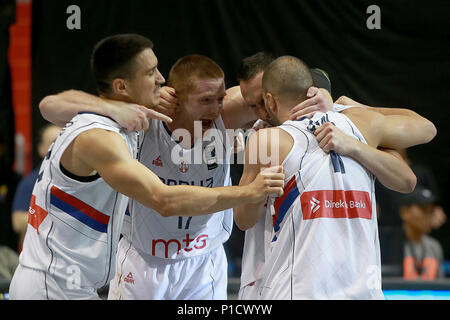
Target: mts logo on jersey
x=336, y=204
x=199, y=243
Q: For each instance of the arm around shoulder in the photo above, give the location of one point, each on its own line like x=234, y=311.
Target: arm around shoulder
x=107, y=153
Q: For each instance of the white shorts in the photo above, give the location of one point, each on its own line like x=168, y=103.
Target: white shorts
x=140, y=276
x=250, y=291
x=31, y=284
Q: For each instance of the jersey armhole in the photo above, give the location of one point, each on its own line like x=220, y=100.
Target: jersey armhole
x=76, y=177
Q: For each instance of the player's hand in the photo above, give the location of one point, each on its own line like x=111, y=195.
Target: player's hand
x=134, y=117
x=331, y=138
x=269, y=182
x=318, y=100
x=260, y=124
x=168, y=101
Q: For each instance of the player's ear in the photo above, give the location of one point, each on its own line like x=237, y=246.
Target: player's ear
x=119, y=87
x=271, y=102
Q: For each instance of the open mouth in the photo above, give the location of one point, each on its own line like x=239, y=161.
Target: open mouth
x=206, y=123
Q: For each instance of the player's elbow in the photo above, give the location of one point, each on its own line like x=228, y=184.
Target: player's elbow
x=164, y=203
x=169, y=209
x=165, y=211
x=244, y=226
x=241, y=222
x=409, y=184
x=430, y=131
x=45, y=105
x=164, y=207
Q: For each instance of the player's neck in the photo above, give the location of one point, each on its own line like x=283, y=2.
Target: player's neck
x=283, y=115
x=180, y=121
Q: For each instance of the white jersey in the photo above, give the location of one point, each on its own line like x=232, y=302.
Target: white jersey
x=207, y=165
x=321, y=235
x=252, y=266
x=253, y=251
x=74, y=222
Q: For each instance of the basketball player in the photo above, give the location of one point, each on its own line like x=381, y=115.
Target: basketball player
x=247, y=97
x=154, y=244
x=80, y=197
x=320, y=237
x=156, y=163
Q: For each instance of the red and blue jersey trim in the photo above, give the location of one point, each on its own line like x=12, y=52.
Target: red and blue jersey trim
x=283, y=203
x=79, y=210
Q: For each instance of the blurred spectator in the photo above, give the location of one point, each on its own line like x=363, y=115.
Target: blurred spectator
x=9, y=260
x=392, y=235
x=423, y=254
x=47, y=135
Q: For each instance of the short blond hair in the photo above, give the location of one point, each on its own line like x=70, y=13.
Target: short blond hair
x=190, y=67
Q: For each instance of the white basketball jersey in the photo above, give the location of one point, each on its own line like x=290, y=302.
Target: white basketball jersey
x=321, y=235
x=252, y=265
x=205, y=164
x=253, y=251
x=74, y=224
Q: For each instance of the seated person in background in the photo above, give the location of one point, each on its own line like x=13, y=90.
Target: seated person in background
x=22, y=196
x=423, y=254
x=9, y=259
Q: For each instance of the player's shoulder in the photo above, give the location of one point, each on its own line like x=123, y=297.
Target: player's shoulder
x=269, y=133
x=98, y=135
x=366, y=120
x=92, y=118
x=263, y=138
x=361, y=113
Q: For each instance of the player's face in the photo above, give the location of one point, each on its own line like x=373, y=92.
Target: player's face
x=251, y=91
x=144, y=87
x=205, y=100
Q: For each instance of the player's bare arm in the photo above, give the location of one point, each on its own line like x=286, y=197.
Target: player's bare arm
x=386, y=164
x=60, y=108
x=105, y=152
x=411, y=128
x=390, y=128
x=397, y=129
x=257, y=154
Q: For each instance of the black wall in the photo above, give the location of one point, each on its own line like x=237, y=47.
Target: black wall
x=406, y=63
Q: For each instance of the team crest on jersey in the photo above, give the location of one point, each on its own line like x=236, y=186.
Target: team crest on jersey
x=158, y=162
x=184, y=167
x=210, y=157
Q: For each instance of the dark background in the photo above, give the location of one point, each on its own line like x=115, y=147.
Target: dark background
x=404, y=64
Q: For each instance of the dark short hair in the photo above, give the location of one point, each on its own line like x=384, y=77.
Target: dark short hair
x=254, y=64
x=113, y=56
